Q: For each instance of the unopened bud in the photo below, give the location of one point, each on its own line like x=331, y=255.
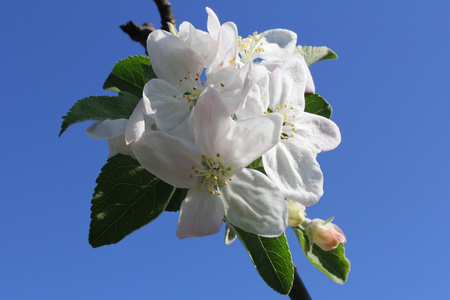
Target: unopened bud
x=325, y=234
x=296, y=213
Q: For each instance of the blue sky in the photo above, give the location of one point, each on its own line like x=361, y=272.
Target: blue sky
x=386, y=184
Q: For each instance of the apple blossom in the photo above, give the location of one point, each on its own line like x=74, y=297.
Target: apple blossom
x=213, y=169
x=292, y=163
x=179, y=84
x=324, y=234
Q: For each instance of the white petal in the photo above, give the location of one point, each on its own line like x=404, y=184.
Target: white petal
x=278, y=43
x=213, y=23
x=316, y=132
x=211, y=121
x=228, y=81
x=295, y=171
x=254, y=204
x=255, y=97
x=250, y=138
x=171, y=109
x=240, y=142
x=107, y=129
x=118, y=145
x=310, y=87
x=287, y=84
x=169, y=158
x=185, y=130
x=226, y=48
x=200, y=41
x=171, y=57
x=140, y=120
x=201, y=214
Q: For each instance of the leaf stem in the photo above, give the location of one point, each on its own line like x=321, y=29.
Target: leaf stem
x=298, y=291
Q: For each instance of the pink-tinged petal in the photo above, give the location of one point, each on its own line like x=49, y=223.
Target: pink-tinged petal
x=255, y=96
x=211, y=121
x=278, y=43
x=201, y=214
x=172, y=58
x=200, y=41
x=213, y=23
x=310, y=87
x=316, y=132
x=140, y=120
x=171, y=109
x=287, y=84
x=169, y=158
x=107, y=129
x=295, y=171
x=254, y=204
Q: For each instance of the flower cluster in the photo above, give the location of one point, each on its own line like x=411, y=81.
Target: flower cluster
x=219, y=104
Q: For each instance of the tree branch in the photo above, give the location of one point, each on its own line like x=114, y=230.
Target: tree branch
x=298, y=291
x=140, y=33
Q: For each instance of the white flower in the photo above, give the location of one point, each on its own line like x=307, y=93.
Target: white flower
x=114, y=132
x=291, y=164
x=213, y=169
x=180, y=82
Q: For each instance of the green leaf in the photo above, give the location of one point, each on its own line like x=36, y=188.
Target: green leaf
x=148, y=72
x=230, y=235
x=271, y=257
x=316, y=104
x=315, y=54
x=99, y=108
x=332, y=263
x=127, y=76
x=126, y=198
x=177, y=198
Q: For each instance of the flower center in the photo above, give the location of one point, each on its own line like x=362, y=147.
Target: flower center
x=194, y=87
x=249, y=45
x=214, y=175
x=288, y=128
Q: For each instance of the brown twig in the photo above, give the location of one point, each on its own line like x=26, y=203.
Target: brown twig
x=140, y=33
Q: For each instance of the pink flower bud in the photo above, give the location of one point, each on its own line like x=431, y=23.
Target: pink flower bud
x=296, y=213
x=325, y=234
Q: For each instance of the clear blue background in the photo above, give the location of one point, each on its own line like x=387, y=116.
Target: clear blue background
x=387, y=184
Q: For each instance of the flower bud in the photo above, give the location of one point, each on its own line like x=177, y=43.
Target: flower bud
x=325, y=234
x=296, y=213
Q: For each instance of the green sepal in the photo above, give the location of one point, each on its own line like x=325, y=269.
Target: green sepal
x=128, y=76
x=315, y=54
x=230, y=235
x=257, y=165
x=271, y=257
x=173, y=30
x=332, y=263
x=177, y=198
x=316, y=104
x=99, y=108
x=126, y=198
